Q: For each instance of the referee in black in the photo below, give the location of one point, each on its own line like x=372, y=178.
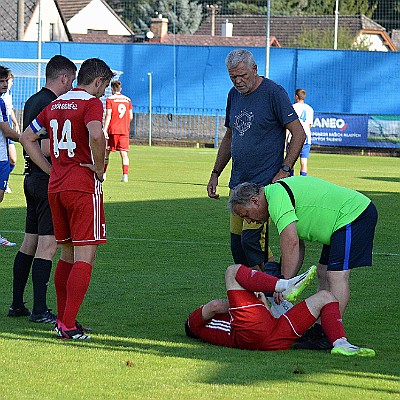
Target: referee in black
x=39, y=245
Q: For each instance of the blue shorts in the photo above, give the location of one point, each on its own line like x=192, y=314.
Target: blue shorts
x=351, y=245
x=305, y=151
x=4, y=174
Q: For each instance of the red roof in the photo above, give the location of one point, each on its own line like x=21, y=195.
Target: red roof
x=208, y=40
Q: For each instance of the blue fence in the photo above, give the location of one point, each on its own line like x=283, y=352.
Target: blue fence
x=194, y=79
x=205, y=126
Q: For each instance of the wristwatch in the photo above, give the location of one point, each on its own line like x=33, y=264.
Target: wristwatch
x=285, y=168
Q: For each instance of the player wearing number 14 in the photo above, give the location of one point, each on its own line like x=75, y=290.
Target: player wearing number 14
x=77, y=149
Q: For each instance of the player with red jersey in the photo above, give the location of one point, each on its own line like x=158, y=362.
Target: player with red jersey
x=77, y=149
x=245, y=322
x=117, y=126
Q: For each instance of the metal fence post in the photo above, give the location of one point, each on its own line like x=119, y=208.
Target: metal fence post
x=150, y=103
x=216, y=131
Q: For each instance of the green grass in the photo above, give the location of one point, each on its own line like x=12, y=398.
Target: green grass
x=167, y=250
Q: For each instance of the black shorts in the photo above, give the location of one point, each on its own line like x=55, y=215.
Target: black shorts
x=38, y=213
x=351, y=245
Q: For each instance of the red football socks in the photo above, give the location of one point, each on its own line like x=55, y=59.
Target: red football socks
x=255, y=281
x=331, y=321
x=77, y=286
x=125, y=169
x=61, y=275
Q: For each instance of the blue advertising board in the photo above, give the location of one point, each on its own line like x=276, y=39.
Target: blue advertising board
x=356, y=130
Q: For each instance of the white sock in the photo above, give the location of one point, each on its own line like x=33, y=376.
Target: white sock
x=343, y=343
x=282, y=285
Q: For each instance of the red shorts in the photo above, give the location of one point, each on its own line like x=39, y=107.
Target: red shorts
x=255, y=328
x=78, y=217
x=117, y=142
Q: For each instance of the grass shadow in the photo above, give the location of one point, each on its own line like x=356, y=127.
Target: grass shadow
x=164, y=258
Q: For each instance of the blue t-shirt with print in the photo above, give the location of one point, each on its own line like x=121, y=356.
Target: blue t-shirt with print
x=257, y=121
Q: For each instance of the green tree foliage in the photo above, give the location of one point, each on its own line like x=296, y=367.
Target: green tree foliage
x=315, y=38
x=327, y=7
x=295, y=7
x=289, y=7
x=241, y=8
x=135, y=13
x=387, y=13
x=184, y=16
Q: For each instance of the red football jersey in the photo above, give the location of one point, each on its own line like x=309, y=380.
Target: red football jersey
x=215, y=331
x=121, y=107
x=65, y=120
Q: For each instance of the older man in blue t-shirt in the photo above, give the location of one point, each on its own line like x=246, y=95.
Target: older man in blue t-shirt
x=258, y=113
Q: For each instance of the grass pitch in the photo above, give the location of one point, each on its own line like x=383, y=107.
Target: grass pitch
x=167, y=250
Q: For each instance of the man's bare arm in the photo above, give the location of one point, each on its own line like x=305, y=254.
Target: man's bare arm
x=98, y=146
x=296, y=144
x=9, y=132
x=223, y=157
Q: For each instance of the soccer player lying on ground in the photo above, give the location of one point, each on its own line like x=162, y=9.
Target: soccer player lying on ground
x=245, y=322
x=306, y=208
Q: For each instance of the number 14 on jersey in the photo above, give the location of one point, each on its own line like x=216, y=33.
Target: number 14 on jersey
x=65, y=142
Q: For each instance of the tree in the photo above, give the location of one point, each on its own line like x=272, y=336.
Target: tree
x=136, y=14
x=387, y=13
x=346, y=7
x=184, y=16
x=240, y=8
x=315, y=38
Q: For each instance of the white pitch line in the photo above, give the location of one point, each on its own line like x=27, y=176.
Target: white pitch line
x=203, y=243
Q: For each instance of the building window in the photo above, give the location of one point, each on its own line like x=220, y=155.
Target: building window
x=101, y=31
x=51, y=31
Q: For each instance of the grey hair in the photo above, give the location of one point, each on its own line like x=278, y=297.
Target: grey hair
x=235, y=57
x=242, y=194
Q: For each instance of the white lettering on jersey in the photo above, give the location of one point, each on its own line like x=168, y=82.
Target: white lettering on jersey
x=121, y=110
x=64, y=106
x=66, y=142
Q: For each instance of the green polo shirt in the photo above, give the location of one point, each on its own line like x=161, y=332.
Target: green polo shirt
x=321, y=207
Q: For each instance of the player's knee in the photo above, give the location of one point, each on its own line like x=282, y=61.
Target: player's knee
x=53, y=250
x=326, y=296
x=231, y=271
x=337, y=278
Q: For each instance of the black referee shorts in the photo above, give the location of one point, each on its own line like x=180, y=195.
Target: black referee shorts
x=38, y=213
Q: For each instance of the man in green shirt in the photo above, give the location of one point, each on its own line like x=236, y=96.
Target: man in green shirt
x=310, y=209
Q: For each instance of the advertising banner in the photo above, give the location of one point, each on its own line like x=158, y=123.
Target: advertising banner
x=356, y=130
